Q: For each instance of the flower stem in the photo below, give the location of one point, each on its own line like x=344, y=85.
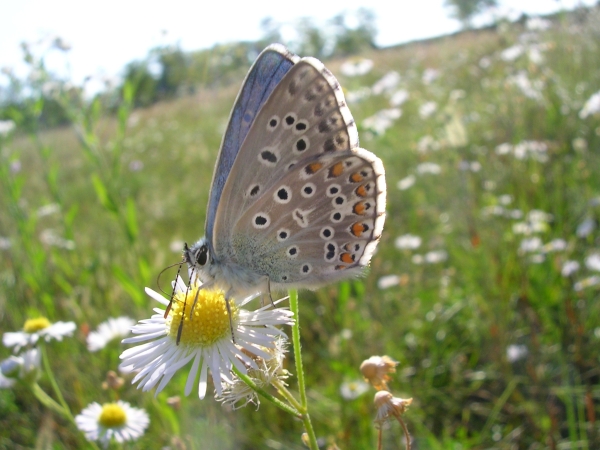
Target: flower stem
x=312, y=439
x=287, y=394
x=48, y=401
x=246, y=379
x=54, y=384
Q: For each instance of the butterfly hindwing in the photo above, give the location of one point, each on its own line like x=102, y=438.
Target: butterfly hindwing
x=316, y=223
x=264, y=76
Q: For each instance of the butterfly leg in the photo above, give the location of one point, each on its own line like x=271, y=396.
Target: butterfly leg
x=269, y=291
x=228, y=296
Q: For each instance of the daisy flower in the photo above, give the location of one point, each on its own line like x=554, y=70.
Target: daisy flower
x=238, y=394
x=35, y=329
x=107, y=331
x=353, y=389
x=25, y=367
x=119, y=420
x=203, y=339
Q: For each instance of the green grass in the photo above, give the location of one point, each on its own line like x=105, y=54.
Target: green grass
x=448, y=323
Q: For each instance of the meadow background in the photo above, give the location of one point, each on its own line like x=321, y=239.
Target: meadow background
x=485, y=286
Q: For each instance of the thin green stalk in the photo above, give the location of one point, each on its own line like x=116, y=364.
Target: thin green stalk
x=48, y=401
x=246, y=379
x=54, y=384
x=287, y=394
x=312, y=439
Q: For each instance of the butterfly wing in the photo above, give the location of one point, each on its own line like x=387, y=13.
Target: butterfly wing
x=264, y=76
x=318, y=223
x=302, y=204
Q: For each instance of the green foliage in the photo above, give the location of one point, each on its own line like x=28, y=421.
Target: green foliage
x=466, y=10
x=496, y=346
x=349, y=40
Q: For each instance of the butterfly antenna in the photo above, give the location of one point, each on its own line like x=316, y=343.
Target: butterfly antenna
x=168, y=310
x=187, y=290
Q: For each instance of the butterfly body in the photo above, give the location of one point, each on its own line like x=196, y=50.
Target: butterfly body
x=294, y=202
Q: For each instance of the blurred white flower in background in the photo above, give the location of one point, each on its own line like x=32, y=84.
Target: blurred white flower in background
x=37, y=328
x=516, y=352
x=388, y=281
x=399, y=97
x=512, y=53
x=429, y=167
x=387, y=83
x=406, y=182
x=592, y=262
x=407, y=242
x=587, y=282
x=585, y=228
x=112, y=328
x=430, y=75
x=591, y=107
x=569, y=268
x=427, y=109
x=350, y=390
x=537, y=24
x=382, y=120
x=6, y=126
x=356, y=67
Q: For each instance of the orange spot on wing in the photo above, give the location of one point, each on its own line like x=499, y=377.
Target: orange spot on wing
x=357, y=229
x=313, y=168
x=359, y=208
x=340, y=267
x=347, y=258
x=356, y=177
x=361, y=191
x=336, y=170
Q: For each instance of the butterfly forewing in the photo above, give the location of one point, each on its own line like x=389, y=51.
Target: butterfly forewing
x=264, y=76
x=303, y=204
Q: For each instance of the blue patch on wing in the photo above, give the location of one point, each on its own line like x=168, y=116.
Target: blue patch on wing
x=265, y=74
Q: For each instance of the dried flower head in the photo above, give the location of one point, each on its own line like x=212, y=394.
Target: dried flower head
x=376, y=370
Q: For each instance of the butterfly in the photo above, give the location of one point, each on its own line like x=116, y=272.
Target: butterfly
x=294, y=202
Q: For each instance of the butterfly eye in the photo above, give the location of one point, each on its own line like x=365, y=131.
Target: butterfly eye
x=202, y=255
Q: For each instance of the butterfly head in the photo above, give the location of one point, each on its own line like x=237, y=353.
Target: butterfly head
x=197, y=257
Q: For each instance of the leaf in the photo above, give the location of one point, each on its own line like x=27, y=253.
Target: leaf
x=131, y=221
x=128, y=284
x=102, y=194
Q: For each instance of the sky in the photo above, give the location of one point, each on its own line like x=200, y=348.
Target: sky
x=106, y=35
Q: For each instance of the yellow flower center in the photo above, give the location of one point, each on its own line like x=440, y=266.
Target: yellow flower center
x=112, y=416
x=209, y=321
x=33, y=325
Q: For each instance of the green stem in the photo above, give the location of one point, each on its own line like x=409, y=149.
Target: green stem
x=312, y=439
x=54, y=384
x=246, y=379
x=48, y=401
x=287, y=394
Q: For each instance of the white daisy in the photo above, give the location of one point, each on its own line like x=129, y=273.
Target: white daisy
x=6, y=383
x=408, y=242
x=205, y=338
x=119, y=420
x=109, y=330
x=353, y=389
x=35, y=329
x=25, y=367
